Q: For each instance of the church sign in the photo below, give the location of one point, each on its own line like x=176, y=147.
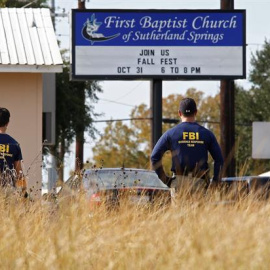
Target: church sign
x=158, y=44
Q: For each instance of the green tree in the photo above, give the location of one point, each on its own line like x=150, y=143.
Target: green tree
x=72, y=115
x=243, y=130
x=119, y=146
x=22, y=3
x=260, y=77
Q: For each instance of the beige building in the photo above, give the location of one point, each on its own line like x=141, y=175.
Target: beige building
x=28, y=48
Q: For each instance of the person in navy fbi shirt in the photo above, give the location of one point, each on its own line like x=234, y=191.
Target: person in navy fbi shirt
x=10, y=153
x=189, y=144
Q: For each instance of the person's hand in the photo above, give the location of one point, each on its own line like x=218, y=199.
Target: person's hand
x=21, y=186
x=21, y=183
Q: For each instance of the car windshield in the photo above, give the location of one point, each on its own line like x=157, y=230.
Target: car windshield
x=109, y=179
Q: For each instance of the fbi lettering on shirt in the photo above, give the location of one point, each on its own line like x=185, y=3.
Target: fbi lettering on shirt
x=191, y=139
x=4, y=151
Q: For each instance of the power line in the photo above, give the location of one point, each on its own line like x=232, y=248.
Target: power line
x=133, y=89
x=166, y=121
x=120, y=120
x=120, y=103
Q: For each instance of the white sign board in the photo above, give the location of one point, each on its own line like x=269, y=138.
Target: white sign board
x=261, y=140
x=164, y=44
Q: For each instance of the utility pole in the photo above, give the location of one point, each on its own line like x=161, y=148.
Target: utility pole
x=81, y=4
x=80, y=133
x=53, y=13
x=227, y=114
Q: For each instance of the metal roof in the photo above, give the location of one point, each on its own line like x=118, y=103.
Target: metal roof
x=27, y=41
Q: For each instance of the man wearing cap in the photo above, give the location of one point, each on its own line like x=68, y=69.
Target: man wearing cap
x=10, y=154
x=189, y=144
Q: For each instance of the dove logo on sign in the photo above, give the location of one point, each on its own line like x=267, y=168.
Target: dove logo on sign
x=90, y=28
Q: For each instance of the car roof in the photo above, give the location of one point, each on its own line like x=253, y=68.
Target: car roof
x=133, y=171
x=119, y=169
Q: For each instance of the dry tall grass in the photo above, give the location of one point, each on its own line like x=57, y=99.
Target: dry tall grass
x=196, y=233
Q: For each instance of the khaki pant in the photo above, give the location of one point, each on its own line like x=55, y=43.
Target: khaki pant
x=189, y=185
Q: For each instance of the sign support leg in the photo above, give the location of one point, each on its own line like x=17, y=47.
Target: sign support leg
x=156, y=111
x=227, y=114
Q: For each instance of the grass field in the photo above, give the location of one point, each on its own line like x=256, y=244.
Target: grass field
x=195, y=233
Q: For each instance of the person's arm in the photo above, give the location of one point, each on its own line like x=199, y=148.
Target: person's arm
x=156, y=157
x=18, y=168
x=20, y=181
x=18, y=162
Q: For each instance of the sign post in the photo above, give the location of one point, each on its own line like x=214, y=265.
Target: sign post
x=227, y=114
x=159, y=45
x=156, y=111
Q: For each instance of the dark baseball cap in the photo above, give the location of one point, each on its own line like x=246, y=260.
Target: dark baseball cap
x=188, y=106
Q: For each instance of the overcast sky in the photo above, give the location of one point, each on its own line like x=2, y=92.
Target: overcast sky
x=119, y=97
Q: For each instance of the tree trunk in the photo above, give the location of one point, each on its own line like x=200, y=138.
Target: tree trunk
x=60, y=162
x=79, y=151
